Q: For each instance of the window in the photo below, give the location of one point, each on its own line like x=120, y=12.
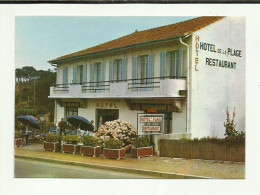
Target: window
x=97, y=75
x=80, y=74
x=171, y=64
x=70, y=111
x=144, y=69
x=118, y=70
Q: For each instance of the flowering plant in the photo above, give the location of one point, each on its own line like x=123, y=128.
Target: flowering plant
x=118, y=130
x=230, y=125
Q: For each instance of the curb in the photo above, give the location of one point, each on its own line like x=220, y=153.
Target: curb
x=164, y=175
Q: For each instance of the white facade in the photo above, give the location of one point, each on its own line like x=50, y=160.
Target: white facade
x=198, y=113
x=213, y=88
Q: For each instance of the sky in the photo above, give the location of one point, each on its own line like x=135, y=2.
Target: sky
x=42, y=38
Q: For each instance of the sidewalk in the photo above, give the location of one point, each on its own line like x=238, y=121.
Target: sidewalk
x=158, y=166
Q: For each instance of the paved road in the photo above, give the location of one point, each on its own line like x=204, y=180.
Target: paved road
x=37, y=169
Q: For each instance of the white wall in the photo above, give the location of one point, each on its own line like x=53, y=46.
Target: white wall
x=129, y=53
x=89, y=112
x=215, y=88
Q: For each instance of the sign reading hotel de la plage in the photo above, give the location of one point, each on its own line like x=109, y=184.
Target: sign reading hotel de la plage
x=212, y=48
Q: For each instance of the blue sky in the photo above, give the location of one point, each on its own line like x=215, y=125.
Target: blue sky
x=39, y=39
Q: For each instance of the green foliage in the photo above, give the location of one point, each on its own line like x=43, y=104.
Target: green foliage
x=143, y=141
x=113, y=144
x=52, y=137
x=90, y=141
x=72, y=139
x=24, y=111
x=18, y=134
x=185, y=139
x=230, y=125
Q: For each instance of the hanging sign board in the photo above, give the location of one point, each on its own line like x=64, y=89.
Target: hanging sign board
x=150, y=124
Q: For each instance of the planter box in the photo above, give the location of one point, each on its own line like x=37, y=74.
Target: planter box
x=142, y=151
x=70, y=148
x=114, y=153
x=18, y=142
x=90, y=150
x=51, y=146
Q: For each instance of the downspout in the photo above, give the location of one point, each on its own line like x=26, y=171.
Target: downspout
x=55, y=104
x=187, y=87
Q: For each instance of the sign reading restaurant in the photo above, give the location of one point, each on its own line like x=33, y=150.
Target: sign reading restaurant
x=148, y=124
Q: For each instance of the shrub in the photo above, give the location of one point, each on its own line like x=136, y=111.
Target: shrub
x=18, y=134
x=90, y=141
x=52, y=137
x=230, y=125
x=113, y=143
x=185, y=139
x=118, y=130
x=72, y=139
x=143, y=141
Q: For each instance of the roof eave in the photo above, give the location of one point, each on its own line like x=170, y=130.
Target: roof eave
x=117, y=49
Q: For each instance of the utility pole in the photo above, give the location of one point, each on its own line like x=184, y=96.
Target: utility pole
x=34, y=96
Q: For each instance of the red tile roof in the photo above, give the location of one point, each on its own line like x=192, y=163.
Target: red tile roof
x=138, y=37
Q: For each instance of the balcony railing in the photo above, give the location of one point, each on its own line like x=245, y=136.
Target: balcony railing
x=144, y=84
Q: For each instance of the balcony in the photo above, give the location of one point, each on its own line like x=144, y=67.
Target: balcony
x=131, y=88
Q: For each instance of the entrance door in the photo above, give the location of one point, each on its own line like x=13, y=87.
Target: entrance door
x=167, y=122
x=104, y=115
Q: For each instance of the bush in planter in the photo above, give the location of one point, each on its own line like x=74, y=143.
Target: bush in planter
x=18, y=134
x=143, y=142
x=113, y=149
x=70, y=145
x=18, y=138
x=90, y=146
x=52, y=137
x=51, y=142
x=71, y=139
x=143, y=148
x=118, y=130
x=113, y=144
x=90, y=141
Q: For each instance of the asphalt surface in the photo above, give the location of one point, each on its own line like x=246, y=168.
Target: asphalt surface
x=37, y=169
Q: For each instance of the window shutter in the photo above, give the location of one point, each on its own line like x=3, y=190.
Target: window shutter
x=91, y=78
x=120, y=71
x=75, y=74
x=150, y=69
x=176, y=64
x=163, y=64
x=84, y=79
x=111, y=70
x=135, y=72
x=102, y=75
x=180, y=64
x=124, y=68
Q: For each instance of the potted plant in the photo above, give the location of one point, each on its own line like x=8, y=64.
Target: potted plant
x=18, y=138
x=71, y=144
x=119, y=130
x=113, y=149
x=51, y=142
x=143, y=148
x=90, y=146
